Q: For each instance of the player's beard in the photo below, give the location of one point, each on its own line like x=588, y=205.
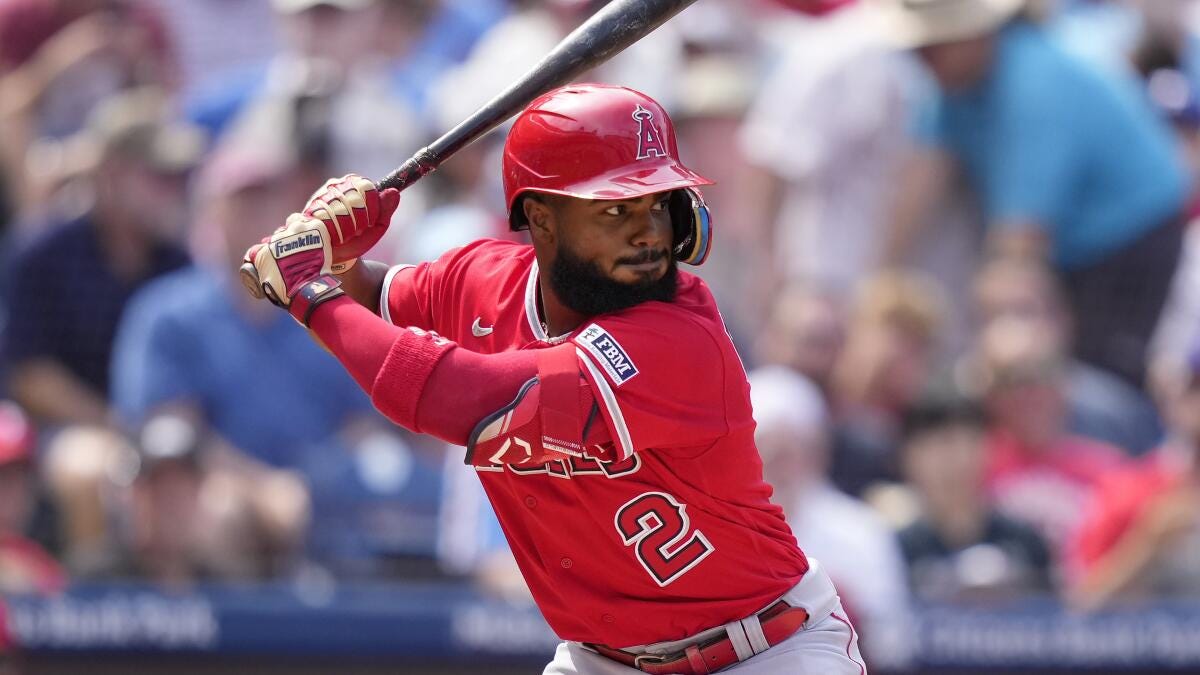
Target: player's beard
x=584, y=287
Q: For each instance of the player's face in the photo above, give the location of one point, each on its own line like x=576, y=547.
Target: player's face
x=610, y=255
x=628, y=239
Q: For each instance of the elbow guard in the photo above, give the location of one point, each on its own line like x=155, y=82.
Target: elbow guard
x=542, y=424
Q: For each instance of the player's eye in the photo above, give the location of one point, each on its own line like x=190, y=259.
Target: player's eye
x=661, y=205
x=615, y=210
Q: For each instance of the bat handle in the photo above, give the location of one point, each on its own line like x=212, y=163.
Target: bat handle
x=412, y=170
x=250, y=280
x=424, y=162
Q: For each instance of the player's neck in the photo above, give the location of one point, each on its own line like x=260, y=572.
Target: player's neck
x=557, y=319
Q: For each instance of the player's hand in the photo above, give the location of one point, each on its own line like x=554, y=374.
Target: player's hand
x=294, y=266
x=355, y=213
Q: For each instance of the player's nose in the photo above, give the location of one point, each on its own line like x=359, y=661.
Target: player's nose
x=652, y=229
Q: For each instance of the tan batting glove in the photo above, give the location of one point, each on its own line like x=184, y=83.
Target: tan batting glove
x=293, y=255
x=355, y=213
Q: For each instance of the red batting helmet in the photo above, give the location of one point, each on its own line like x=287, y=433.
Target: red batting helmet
x=596, y=141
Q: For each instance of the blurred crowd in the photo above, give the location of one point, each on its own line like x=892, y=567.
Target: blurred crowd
x=954, y=246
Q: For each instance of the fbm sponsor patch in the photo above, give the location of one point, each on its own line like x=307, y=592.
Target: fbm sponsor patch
x=608, y=352
x=297, y=243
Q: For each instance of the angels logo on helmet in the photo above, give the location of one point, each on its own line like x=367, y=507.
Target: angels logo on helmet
x=650, y=143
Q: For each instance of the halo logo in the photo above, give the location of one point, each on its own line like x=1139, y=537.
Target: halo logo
x=650, y=143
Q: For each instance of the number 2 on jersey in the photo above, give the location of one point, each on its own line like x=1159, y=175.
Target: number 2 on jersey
x=657, y=525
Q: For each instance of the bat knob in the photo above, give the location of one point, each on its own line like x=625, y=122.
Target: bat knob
x=250, y=280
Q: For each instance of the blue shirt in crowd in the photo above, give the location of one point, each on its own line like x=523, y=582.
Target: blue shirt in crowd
x=1045, y=138
x=65, y=299
x=267, y=389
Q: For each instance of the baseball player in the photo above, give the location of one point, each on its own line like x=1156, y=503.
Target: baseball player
x=594, y=387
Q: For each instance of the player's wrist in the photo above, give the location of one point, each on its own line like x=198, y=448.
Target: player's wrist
x=313, y=293
x=340, y=268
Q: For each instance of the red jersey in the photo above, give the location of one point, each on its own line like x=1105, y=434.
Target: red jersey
x=666, y=531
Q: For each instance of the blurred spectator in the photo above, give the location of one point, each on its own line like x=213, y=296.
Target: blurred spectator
x=824, y=135
x=465, y=194
x=470, y=541
x=851, y=541
x=522, y=38
x=1110, y=34
x=208, y=51
x=712, y=90
x=1070, y=165
x=376, y=495
x=174, y=505
x=448, y=31
x=329, y=68
x=182, y=517
x=24, y=566
x=1180, y=327
x=1141, y=537
x=887, y=362
x=26, y=26
x=57, y=61
x=961, y=548
x=76, y=464
x=69, y=285
x=1101, y=405
x=1037, y=471
x=805, y=331
x=186, y=339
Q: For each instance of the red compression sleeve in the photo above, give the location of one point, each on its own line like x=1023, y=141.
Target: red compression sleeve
x=418, y=380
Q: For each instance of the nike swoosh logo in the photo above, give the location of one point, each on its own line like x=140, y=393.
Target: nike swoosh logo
x=478, y=330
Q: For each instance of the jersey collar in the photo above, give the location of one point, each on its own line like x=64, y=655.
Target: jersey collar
x=531, y=310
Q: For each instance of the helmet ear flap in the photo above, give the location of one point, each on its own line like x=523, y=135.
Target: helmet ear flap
x=692, y=225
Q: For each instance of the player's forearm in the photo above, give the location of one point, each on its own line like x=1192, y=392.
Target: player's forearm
x=419, y=380
x=364, y=283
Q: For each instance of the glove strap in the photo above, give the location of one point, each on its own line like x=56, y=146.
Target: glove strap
x=313, y=294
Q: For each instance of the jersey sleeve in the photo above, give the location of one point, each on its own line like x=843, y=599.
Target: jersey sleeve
x=420, y=295
x=406, y=299
x=659, y=378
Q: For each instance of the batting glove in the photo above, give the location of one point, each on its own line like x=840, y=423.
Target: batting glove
x=355, y=213
x=294, y=266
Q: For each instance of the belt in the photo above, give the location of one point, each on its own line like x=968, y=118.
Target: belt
x=779, y=622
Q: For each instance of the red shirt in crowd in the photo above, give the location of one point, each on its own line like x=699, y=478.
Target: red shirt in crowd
x=1049, y=488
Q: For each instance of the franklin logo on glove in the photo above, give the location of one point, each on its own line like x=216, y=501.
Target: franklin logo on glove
x=300, y=242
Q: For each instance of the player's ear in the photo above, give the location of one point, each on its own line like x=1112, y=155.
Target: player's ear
x=539, y=213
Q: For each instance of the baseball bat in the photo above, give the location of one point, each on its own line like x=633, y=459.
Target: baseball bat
x=610, y=30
